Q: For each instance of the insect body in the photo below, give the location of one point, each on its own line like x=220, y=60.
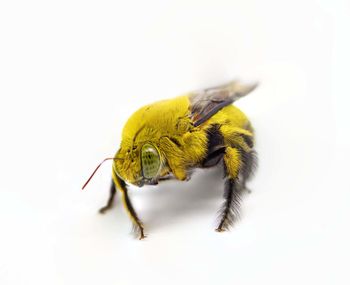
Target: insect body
x=169, y=138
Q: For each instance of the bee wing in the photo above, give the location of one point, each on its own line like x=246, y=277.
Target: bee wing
x=206, y=103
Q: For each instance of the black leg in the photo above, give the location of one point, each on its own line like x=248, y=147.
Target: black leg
x=109, y=204
x=137, y=224
x=249, y=164
x=229, y=211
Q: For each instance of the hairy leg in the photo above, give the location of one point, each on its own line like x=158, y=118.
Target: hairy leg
x=109, y=205
x=137, y=224
x=249, y=164
x=243, y=141
x=229, y=211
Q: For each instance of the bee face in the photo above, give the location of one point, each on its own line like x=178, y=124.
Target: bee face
x=140, y=165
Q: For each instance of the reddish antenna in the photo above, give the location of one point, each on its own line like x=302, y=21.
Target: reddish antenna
x=93, y=173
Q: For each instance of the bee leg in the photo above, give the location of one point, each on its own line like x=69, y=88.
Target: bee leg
x=243, y=140
x=109, y=205
x=249, y=163
x=174, y=155
x=229, y=213
x=137, y=224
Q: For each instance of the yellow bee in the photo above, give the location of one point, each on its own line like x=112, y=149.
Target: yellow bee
x=168, y=139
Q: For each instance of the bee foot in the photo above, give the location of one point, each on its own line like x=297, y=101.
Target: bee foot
x=220, y=230
x=103, y=210
x=142, y=236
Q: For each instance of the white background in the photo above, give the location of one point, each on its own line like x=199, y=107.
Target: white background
x=72, y=72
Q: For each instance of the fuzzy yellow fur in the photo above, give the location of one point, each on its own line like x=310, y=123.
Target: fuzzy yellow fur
x=232, y=162
x=167, y=125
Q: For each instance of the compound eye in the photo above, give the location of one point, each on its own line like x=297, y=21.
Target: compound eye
x=150, y=161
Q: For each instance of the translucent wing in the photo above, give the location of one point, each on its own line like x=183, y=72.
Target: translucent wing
x=206, y=103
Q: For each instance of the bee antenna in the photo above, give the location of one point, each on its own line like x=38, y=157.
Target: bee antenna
x=93, y=173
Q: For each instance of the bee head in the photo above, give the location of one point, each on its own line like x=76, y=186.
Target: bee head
x=140, y=165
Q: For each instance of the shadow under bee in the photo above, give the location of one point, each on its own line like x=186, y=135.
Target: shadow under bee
x=171, y=202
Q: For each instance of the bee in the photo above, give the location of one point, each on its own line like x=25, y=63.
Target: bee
x=170, y=138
